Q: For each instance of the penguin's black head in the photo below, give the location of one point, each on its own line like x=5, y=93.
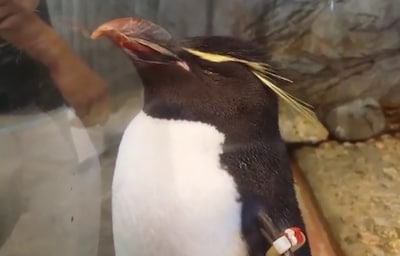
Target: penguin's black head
x=218, y=80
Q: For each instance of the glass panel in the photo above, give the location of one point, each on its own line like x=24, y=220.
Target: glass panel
x=66, y=101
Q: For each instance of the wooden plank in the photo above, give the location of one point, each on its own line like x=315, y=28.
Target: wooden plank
x=321, y=240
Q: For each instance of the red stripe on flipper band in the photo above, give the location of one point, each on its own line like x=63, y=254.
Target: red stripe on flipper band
x=299, y=235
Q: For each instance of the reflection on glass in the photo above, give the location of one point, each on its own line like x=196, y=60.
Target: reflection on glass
x=50, y=187
x=65, y=101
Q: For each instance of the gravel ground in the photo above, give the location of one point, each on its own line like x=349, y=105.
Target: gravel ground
x=357, y=188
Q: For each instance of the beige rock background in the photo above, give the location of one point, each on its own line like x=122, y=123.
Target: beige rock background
x=344, y=57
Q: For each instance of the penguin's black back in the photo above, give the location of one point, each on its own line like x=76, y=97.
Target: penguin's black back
x=229, y=97
x=261, y=171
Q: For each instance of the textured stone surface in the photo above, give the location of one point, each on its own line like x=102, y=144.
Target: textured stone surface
x=356, y=186
x=296, y=128
x=339, y=53
x=365, y=114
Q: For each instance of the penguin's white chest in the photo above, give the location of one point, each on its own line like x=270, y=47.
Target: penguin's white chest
x=170, y=195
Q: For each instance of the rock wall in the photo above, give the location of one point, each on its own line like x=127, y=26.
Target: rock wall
x=345, y=59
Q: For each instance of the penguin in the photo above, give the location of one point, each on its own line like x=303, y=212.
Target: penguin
x=202, y=169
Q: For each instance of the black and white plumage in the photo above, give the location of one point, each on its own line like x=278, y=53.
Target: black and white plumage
x=204, y=157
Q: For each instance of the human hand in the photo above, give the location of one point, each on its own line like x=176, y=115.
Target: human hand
x=82, y=88
x=19, y=22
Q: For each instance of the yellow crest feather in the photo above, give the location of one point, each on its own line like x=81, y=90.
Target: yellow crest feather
x=262, y=71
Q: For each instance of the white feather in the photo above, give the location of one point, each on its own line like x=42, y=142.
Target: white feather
x=170, y=196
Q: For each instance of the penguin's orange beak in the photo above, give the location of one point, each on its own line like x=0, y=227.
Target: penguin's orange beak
x=141, y=39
